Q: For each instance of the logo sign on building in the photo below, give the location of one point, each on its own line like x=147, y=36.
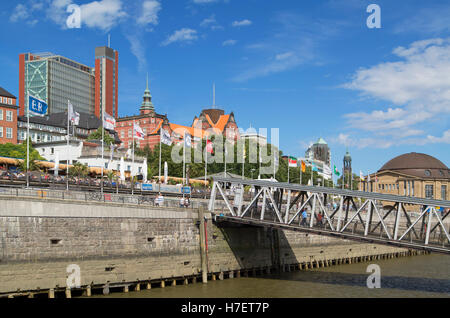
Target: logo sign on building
x=147, y=187
x=186, y=190
x=37, y=106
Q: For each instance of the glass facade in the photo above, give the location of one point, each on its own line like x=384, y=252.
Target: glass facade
x=56, y=80
x=36, y=79
x=69, y=83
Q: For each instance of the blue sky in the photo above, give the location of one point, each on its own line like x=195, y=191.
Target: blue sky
x=310, y=68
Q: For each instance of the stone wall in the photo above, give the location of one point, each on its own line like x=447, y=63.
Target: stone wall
x=120, y=243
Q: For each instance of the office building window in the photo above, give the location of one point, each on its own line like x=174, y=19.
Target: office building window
x=9, y=115
x=118, y=167
x=106, y=165
x=140, y=169
x=128, y=168
x=1, y=114
x=429, y=191
x=443, y=192
x=1, y=132
x=9, y=132
x=122, y=134
x=9, y=101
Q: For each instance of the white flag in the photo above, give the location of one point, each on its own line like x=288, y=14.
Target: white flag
x=187, y=140
x=138, y=133
x=111, y=152
x=165, y=137
x=109, y=122
x=74, y=117
x=76, y=120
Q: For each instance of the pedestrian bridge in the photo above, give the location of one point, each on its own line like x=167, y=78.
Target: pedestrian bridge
x=353, y=215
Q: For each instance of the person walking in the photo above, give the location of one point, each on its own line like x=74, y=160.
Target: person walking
x=304, y=217
x=319, y=219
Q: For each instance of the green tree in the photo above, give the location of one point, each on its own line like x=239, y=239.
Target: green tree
x=97, y=135
x=79, y=170
x=19, y=151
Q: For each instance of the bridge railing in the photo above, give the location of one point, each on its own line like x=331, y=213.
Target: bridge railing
x=358, y=213
x=97, y=196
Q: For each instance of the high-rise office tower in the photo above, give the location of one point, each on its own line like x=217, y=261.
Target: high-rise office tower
x=56, y=79
x=106, y=81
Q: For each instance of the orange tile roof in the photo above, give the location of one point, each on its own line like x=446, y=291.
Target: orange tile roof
x=157, y=128
x=223, y=120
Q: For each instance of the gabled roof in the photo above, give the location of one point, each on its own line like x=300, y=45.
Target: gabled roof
x=5, y=93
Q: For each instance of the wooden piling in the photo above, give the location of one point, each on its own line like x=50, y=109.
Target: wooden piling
x=163, y=284
x=51, y=293
x=68, y=293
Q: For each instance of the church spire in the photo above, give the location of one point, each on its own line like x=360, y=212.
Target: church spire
x=147, y=105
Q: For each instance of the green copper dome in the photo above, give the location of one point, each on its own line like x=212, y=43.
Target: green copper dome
x=147, y=100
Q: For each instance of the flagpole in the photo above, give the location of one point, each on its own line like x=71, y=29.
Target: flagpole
x=160, y=139
x=289, y=158
x=206, y=161
x=301, y=167
x=259, y=170
x=243, y=159
x=225, y=171
x=184, y=157
x=68, y=151
x=28, y=140
x=103, y=141
x=132, y=164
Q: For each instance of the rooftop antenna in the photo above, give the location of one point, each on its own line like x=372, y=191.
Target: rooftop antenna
x=214, y=95
x=109, y=40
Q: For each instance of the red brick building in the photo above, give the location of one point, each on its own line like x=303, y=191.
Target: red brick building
x=148, y=120
x=8, y=117
x=106, y=81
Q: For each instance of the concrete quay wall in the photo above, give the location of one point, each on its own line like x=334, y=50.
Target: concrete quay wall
x=127, y=244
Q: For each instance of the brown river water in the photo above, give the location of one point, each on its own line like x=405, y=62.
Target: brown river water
x=415, y=276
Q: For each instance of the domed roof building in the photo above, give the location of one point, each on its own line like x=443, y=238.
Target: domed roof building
x=411, y=174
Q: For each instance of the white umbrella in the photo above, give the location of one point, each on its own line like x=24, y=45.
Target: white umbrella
x=122, y=169
x=144, y=167
x=56, y=163
x=166, y=172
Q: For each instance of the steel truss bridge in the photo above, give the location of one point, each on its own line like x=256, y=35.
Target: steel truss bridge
x=358, y=216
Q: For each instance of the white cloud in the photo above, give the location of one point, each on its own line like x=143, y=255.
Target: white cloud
x=229, y=42
x=103, y=14
x=150, y=10
x=419, y=87
x=204, y=1
x=20, y=13
x=445, y=139
x=241, y=23
x=293, y=41
x=138, y=50
x=431, y=20
x=183, y=35
x=283, y=56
